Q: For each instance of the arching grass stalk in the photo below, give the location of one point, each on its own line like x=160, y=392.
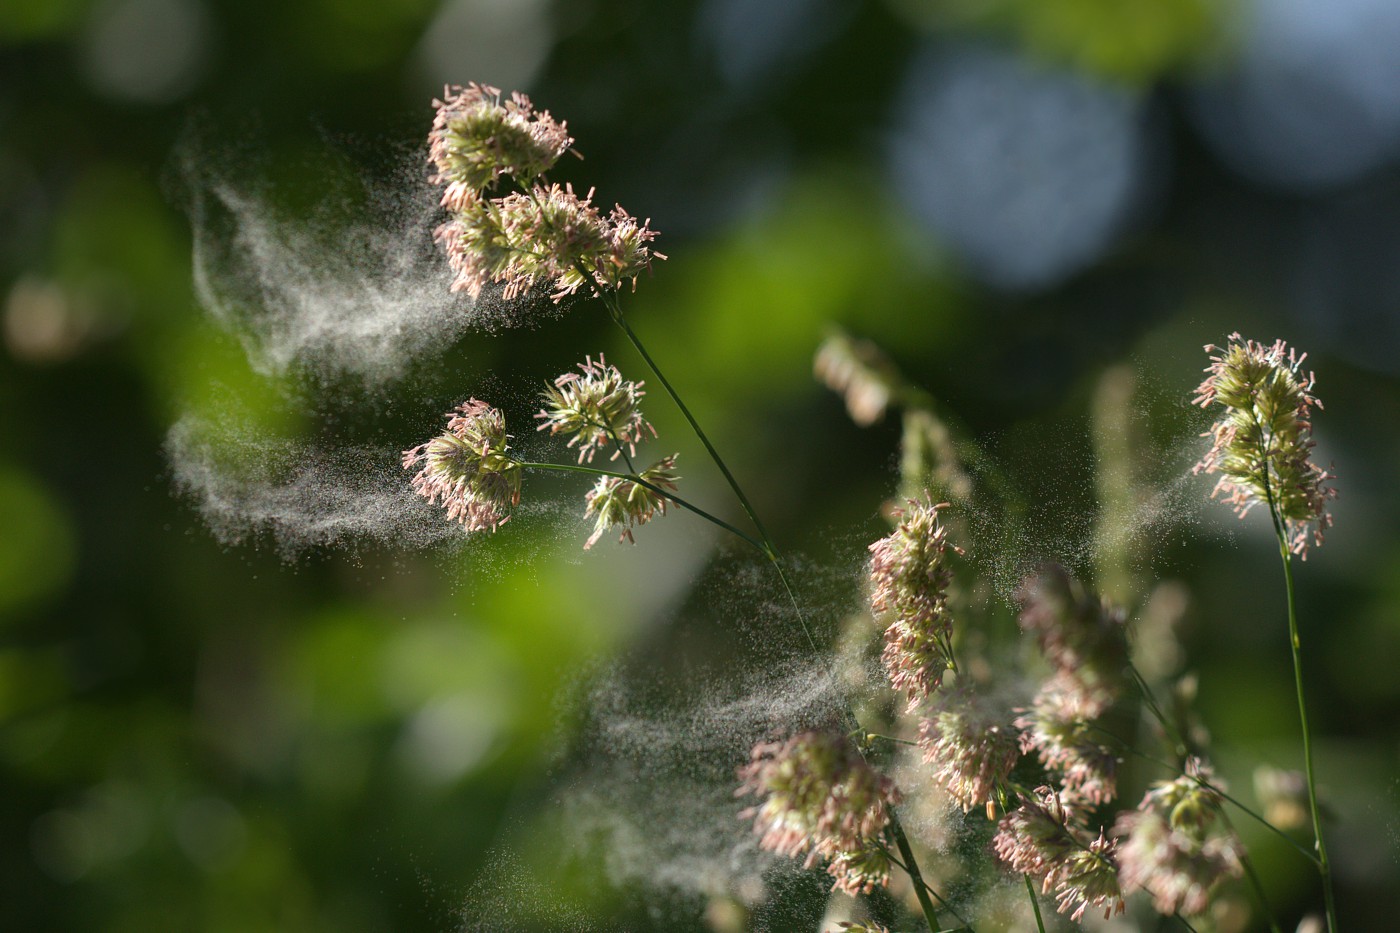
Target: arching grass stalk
x=769, y=549
x=615, y=310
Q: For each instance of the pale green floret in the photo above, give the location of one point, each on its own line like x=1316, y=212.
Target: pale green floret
x=598, y=408
x=476, y=139
x=616, y=502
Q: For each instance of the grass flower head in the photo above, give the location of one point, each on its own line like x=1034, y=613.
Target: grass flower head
x=910, y=575
x=1262, y=444
x=468, y=469
x=1168, y=848
x=476, y=139
x=598, y=407
x=1041, y=839
x=545, y=236
x=821, y=798
x=970, y=746
x=615, y=502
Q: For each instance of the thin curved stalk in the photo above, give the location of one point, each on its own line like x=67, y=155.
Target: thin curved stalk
x=921, y=885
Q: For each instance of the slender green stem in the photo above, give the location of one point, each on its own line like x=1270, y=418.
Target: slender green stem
x=1035, y=904
x=911, y=866
x=1254, y=882
x=1124, y=746
x=615, y=309
x=921, y=885
x=1186, y=923
x=617, y=442
x=634, y=478
x=1181, y=749
x=1323, y=866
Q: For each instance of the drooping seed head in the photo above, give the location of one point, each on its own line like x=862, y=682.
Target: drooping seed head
x=858, y=372
x=971, y=747
x=1090, y=879
x=1171, y=847
x=1042, y=839
x=1283, y=795
x=1065, y=744
x=1081, y=635
x=820, y=797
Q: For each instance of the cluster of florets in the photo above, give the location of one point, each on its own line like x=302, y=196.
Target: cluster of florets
x=910, y=575
x=971, y=747
x=539, y=234
x=470, y=471
x=1169, y=847
x=1262, y=445
x=821, y=798
x=1082, y=637
x=598, y=407
x=476, y=139
x=615, y=503
x=468, y=468
x=1045, y=840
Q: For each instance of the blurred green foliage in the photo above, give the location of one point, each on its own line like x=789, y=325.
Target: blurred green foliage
x=200, y=736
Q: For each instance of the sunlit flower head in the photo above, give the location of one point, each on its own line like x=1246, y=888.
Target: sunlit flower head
x=598, y=407
x=1283, y=795
x=1041, y=840
x=1171, y=846
x=1262, y=444
x=858, y=372
x=821, y=798
x=468, y=469
x=618, y=503
x=909, y=576
x=547, y=236
x=1066, y=745
x=971, y=747
x=476, y=139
